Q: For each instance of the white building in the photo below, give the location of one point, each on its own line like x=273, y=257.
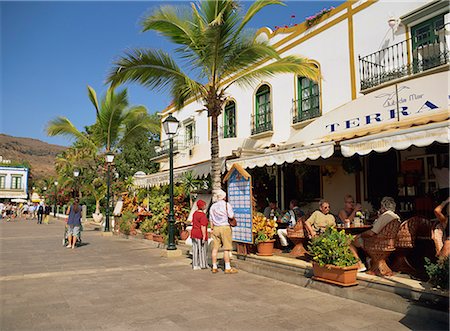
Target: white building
x=13, y=182
x=382, y=100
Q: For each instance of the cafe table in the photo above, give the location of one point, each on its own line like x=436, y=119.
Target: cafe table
x=354, y=229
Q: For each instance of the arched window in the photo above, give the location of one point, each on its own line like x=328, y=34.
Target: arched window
x=229, y=120
x=262, y=119
x=307, y=105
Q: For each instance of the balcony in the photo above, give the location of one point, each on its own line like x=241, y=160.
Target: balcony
x=262, y=122
x=300, y=116
x=163, y=148
x=392, y=62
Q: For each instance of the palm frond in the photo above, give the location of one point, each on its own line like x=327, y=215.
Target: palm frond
x=254, y=9
x=93, y=97
x=62, y=126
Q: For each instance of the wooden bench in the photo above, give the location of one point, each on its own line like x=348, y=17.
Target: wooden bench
x=380, y=246
x=298, y=236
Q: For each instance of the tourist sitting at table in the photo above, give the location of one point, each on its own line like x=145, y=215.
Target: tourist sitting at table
x=386, y=215
x=272, y=210
x=290, y=218
x=347, y=214
x=442, y=214
x=320, y=220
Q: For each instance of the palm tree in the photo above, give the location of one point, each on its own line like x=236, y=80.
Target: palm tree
x=116, y=123
x=217, y=48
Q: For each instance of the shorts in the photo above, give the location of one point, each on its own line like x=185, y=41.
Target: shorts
x=73, y=230
x=222, y=237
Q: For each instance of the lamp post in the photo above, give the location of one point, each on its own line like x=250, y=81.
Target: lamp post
x=76, y=173
x=109, y=159
x=170, y=126
x=56, y=198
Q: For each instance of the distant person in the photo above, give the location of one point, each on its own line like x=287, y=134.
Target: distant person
x=47, y=211
x=290, y=218
x=40, y=213
x=199, y=236
x=222, y=233
x=272, y=210
x=320, y=220
x=347, y=214
x=74, y=223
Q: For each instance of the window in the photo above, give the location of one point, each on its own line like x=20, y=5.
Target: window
x=16, y=182
x=189, y=134
x=262, y=119
x=428, y=44
x=2, y=181
x=229, y=120
x=308, y=104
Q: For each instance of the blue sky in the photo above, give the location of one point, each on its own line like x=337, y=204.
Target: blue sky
x=51, y=51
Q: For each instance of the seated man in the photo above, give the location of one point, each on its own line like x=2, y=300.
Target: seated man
x=291, y=217
x=386, y=215
x=272, y=211
x=320, y=220
x=350, y=209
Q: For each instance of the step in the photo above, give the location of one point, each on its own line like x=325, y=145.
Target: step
x=398, y=294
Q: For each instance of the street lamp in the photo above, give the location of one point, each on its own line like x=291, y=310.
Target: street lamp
x=109, y=159
x=56, y=198
x=170, y=126
x=76, y=173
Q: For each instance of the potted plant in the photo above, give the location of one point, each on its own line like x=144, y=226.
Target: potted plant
x=147, y=228
x=264, y=229
x=333, y=262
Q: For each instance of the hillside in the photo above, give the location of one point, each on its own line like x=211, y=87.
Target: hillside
x=39, y=154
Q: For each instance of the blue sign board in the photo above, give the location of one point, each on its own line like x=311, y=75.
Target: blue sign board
x=240, y=197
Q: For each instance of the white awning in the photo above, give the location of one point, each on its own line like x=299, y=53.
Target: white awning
x=162, y=178
x=420, y=101
x=419, y=136
x=300, y=154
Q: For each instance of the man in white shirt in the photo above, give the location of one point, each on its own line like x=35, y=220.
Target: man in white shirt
x=221, y=229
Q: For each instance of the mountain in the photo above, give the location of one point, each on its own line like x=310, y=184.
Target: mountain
x=39, y=154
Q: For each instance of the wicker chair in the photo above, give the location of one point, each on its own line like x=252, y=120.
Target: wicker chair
x=298, y=237
x=380, y=246
x=405, y=243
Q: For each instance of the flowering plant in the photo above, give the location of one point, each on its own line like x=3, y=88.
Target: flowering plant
x=311, y=20
x=263, y=228
x=329, y=170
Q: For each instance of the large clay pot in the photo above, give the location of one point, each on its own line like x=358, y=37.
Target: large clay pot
x=343, y=276
x=148, y=236
x=265, y=248
x=97, y=217
x=158, y=238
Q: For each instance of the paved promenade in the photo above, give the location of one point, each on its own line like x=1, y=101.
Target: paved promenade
x=118, y=284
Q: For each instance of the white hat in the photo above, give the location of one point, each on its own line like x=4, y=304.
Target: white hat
x=219, y=195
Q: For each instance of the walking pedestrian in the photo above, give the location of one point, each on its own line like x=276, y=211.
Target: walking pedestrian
x=74, y=223
x=46, y=213
x=199, y=236
x=40, y=213
x=222, y=234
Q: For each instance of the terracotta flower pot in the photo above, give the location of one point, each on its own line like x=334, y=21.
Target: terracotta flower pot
x=343, y=276
x=265, y=248
x=148, y=236
x=158, y=238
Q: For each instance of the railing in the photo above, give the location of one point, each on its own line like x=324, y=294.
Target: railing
x=189, y=143
x=304, y=115
x=262, y=122
x=163, y=148
x=227, y=131
x=392, y=62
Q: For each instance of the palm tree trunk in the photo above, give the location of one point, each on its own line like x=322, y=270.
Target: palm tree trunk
x=215, y=161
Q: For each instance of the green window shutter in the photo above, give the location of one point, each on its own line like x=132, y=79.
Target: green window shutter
x=308, y=103
x=229, y=124
x=262, y=118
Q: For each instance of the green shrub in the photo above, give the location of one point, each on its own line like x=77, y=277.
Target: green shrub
x=126, y=221
x=438, y=272
x=332, y=247
x=146, y=225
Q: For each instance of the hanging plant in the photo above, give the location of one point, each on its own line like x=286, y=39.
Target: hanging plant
x=311, y=20
x=351, y=165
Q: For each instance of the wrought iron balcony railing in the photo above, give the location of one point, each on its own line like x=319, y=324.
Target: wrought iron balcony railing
x=262, y=122
x=392, y=62
x=163, y=148
x=303, y=115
